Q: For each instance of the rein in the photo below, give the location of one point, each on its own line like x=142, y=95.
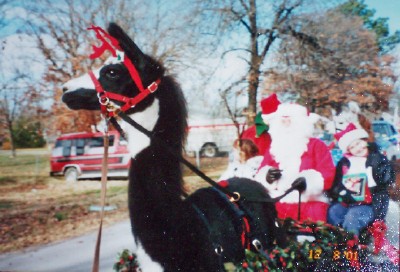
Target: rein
x=234, y=196
x=299, y=184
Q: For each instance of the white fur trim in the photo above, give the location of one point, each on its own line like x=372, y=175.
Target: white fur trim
x=261, y=177
x=292, y=110
x=314, y=191
x=350, y=136
x=315, y=184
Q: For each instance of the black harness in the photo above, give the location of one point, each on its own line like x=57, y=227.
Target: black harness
x=243, y=219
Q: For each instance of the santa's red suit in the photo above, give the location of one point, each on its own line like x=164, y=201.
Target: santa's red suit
x=297, y=154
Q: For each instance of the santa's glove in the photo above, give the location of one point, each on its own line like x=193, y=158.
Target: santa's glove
x=346, y=196
x=273, y=174
x=299, y=184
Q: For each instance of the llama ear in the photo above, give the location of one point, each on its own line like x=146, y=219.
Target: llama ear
x=127, y=44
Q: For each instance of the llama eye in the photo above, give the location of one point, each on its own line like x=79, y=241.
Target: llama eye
x=112, y=74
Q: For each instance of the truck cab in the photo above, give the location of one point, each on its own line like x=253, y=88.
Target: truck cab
x=79, y=155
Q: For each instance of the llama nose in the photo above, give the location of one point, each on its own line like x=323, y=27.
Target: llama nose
x=64, y=89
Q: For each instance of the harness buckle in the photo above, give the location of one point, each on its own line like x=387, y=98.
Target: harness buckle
x=111, y=107
x=153, y=87
x=235, y=197
x=103, y=100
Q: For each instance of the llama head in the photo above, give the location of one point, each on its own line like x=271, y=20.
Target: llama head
x=116, y=76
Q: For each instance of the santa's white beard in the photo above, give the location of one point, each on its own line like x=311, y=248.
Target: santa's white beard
x=289, y=143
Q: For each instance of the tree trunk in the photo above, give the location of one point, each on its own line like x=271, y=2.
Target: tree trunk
x=12, y=145
x=252, y=94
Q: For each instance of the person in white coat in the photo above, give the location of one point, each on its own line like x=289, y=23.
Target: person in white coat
x=246, y=160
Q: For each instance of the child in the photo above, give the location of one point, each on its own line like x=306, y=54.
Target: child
x=361, y=180
x=245, y=160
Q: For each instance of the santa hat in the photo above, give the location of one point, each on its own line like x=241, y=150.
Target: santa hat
x=269, y=105
x=348, y=135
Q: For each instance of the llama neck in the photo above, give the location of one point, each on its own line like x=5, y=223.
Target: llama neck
x=137, y=141
x=157, y=171
x=155, y=179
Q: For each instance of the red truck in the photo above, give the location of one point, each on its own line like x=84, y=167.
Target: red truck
x=79, y=156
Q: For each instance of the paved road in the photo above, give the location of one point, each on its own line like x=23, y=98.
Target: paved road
x=73, y=255
x=76, y=255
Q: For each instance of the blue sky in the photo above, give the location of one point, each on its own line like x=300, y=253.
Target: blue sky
x=389, y=9
x=383, y=8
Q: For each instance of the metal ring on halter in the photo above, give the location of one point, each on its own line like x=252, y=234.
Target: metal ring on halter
x=219, y=249
x=103, y=100
x=257, y=244
x=235, y=197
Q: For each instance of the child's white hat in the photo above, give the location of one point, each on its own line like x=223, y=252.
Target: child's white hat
x=348, y=135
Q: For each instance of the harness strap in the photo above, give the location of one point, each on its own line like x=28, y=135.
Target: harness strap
x=233, y=195
x=193, y=168
x=246, y=230
x=216, y=243
x=103, y=100
x=129, y=102
x=134, y=74
x=246, y=220
x=135, y=100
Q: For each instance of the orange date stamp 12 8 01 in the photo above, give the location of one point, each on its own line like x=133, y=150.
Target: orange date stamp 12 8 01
x=337, y=254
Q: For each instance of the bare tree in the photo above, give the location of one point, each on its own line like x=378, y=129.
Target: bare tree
x=16, y=94
x=61, y=32
x=16, y=89
x=254, y=27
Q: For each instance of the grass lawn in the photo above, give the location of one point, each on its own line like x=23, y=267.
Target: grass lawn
x=37, y=209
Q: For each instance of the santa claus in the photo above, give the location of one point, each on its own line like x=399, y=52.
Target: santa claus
x=294, y=153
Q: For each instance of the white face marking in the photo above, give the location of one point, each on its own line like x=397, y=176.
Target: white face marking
x=137, y=141
x=81, y=82
x=85, y=81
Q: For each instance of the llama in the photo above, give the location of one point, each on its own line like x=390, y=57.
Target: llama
x=198, y=233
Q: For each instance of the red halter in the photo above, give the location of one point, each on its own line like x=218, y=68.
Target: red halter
x=116, y=51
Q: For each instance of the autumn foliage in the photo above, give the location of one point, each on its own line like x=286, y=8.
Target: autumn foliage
x=343, y=65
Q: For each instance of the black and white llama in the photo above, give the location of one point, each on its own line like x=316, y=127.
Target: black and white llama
x=200, y=232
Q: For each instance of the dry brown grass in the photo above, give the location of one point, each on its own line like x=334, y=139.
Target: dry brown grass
x=38, y=209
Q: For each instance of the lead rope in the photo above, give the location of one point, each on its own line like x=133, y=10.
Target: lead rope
x=104, y=171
